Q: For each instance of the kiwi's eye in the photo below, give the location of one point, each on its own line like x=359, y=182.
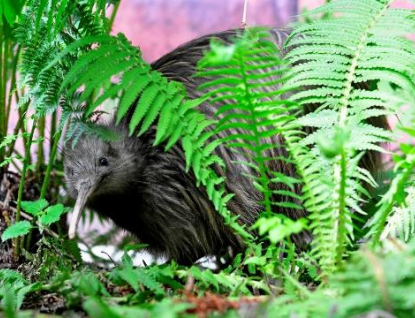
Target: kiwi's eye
x=103, y=161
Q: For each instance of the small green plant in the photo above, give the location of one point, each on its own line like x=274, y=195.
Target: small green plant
x=43, y=214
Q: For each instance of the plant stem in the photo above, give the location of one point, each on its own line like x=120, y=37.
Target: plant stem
x=3, y=83
x=53, y=124
x=22, y=115
x=340, y=168
x=13, y=87
x=22, y=181
x=113, y=14
x=342, y=209
x=40, y=150
x=45, y=184
x=18, y=126
x=304, y=291
x=7, y=45
x=16, y=166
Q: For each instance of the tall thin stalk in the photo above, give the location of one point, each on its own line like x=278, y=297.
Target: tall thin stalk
x=112, y=17
x=13, y=86
x=53, y=125
x=3, y=84
x=19, y=126
x=22, y=181
x=40, y=146
x=45, y=184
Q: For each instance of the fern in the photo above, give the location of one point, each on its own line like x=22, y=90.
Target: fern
x=401, y=223
x=136, y=276
x=45, y=28
x=245, y=78
x=371, y=283
x=395, y=205
x=330, y=57
x=13, y=289
x=395, y=213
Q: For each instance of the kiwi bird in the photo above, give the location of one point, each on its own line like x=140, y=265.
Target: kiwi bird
x=146, y=190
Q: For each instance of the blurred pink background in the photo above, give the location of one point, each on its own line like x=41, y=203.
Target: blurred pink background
x=159, y=26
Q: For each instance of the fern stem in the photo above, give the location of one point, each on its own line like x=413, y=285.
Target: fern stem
x=353, y=67
x=340, y=168
x=113, y=14
x=341, y=173
x=53, y=125
x=45, y=184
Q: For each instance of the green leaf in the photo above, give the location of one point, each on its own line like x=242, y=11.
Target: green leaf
x=18, y=229
x=34, y=207
x=137, y=83
x=52, y=214
x=150, y=117
x=145, y=102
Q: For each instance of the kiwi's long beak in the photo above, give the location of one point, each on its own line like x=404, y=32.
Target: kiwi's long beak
x=85, y=190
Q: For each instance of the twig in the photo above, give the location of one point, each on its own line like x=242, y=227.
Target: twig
x=7, y=199
x=6, y=218
x=115, y=264
x=189, y=284
x=244, y=13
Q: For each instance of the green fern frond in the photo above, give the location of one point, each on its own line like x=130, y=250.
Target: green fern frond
x=44, y=32
x=401, y=222
x=245, y=78
x=356, y=43
x=394, y=210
